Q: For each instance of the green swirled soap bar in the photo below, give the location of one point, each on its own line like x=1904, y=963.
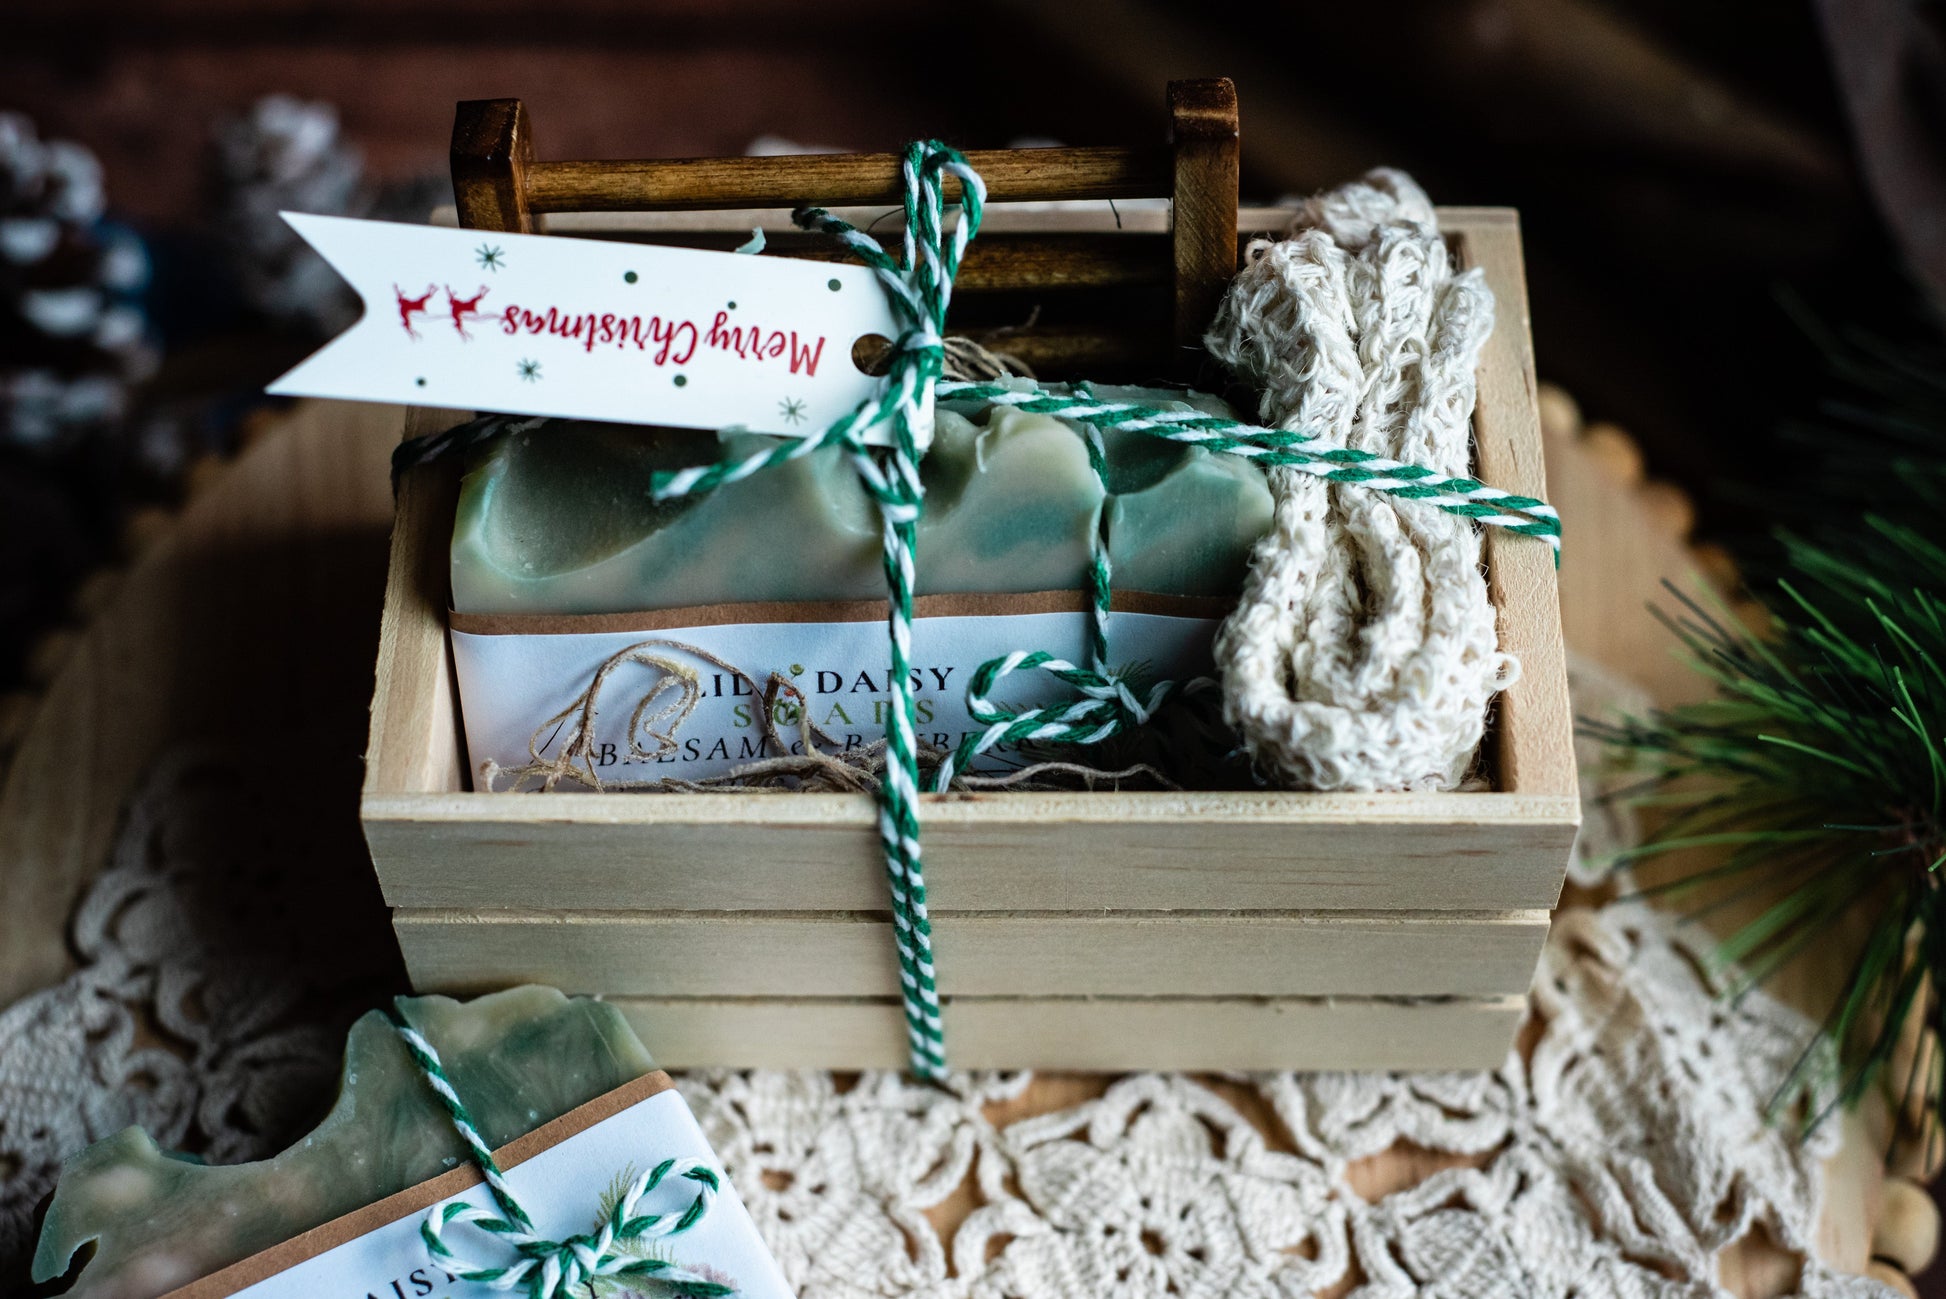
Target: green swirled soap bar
x=559, y=520
x=156, y=1221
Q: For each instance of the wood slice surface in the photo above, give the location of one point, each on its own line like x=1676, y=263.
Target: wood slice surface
x=252, y=617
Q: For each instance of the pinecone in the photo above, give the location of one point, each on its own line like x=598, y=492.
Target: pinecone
x=73, y=335
x=287, y=155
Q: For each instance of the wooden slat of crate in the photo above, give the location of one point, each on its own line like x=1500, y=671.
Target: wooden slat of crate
x=1084, y=1033
x=996, y=954
x=1008, y=852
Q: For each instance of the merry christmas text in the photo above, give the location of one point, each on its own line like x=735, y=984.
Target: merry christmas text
x=668, y=342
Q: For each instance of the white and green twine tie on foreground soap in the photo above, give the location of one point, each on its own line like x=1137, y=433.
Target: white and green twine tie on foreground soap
x=1363, y=651
x=541, y=1267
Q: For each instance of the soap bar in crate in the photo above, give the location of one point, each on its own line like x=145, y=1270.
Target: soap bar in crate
x=752, y=619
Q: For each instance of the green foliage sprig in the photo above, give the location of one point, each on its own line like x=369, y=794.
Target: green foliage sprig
x=1818, y=771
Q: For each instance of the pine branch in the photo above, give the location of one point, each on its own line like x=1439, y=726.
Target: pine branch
x=1818, y=769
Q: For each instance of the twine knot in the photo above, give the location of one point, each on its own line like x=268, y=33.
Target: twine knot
x=550, y=1269
x=1106, y=706
x=544, y=1269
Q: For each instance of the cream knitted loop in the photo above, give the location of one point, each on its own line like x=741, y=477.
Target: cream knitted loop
x=1363, y=653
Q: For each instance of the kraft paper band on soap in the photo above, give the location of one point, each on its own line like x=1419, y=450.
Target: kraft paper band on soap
x=588, y=1135
x=994, y=605
x=518, y=672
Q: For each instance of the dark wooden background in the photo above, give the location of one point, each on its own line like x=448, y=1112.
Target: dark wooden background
x=1675, y=162
x=1677, y=165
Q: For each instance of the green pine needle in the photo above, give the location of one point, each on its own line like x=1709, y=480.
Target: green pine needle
x=1818, y=769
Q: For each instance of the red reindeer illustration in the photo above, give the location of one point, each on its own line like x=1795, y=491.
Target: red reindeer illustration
x=465, y=309
x=410, y=307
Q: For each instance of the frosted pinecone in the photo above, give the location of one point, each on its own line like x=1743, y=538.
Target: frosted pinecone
x=73, y=335
x=287, y=155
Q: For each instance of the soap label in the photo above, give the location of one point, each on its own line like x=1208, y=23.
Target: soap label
x=683, y=694
x=560, y=1172
x=593, y=329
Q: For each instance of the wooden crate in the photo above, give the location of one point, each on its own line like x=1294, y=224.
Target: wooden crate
x=1237, y=930
x=1075, y=930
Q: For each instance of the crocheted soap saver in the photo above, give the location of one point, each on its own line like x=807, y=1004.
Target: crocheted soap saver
x=1363, y=653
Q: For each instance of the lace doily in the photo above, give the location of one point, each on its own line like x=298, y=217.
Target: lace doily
x=216, y=980
x=1619, y=1154
x=1621, y=1158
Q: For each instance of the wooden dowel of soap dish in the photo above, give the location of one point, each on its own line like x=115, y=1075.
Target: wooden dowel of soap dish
x=499, y=186
x=492, y=138
x=998, y=263
x=1203, y=117
x=837, y=179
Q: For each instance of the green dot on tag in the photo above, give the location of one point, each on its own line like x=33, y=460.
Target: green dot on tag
x=681, y=379
x=628, y=277
x=834, y=285
x=733, y=306
x=420, y=382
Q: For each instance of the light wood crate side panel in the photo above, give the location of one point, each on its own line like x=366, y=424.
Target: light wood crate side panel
x=1535, y=731
x=1038, y=852
x=1083, y=1033
x=995, y=954
x=416, y=742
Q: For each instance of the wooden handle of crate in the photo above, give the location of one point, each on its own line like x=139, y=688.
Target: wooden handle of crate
x=498, y=185
x=837, y=179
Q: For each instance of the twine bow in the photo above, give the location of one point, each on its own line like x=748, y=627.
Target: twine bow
x=550, y=1269
x=1105, y=707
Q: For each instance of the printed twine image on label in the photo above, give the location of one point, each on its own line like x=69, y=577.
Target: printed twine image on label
x=680, y=694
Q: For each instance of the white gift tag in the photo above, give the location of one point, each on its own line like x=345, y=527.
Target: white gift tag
x=593, y=329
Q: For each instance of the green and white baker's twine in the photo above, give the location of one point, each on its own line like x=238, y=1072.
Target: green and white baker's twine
x=551, y=1269
x=1288, y=448
x=920, y=285
x=1106, y=704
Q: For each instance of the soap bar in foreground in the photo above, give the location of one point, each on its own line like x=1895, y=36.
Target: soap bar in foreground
x=158, y=1221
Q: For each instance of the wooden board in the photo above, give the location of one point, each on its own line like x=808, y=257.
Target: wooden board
x=254, y=615
x=1624, y=535
x=614, y=953
x=316, y=487
x=1082, y=1032
x=1040, y=852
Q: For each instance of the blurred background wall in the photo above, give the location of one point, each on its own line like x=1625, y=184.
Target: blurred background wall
x=1684, y=171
